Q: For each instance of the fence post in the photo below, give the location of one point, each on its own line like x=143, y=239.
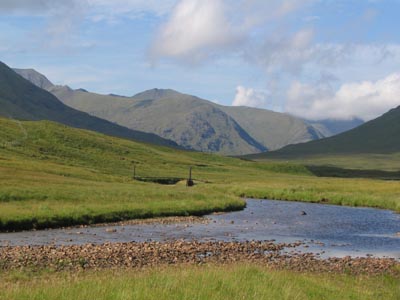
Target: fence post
x=190, y=182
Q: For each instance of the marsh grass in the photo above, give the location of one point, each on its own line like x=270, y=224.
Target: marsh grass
x=195, y=282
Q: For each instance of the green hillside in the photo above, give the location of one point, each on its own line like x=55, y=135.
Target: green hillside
x=52, y=175
x=379, y=136
x=20, y=99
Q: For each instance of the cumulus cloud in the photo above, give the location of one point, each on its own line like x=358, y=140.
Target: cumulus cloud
x=198, y=29
x=366, y=100
x=195, y=27
x=249, y=97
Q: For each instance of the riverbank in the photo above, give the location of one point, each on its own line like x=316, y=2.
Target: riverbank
x=155, y=254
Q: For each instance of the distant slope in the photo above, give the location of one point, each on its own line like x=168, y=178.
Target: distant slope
x=379, y=136
x=193, y=122
x=272, y=129
x=35, y=77
x=331, y=127
x=197, y=123
x=20, y=99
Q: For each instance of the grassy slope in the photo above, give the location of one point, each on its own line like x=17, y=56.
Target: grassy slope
x=207, y=282
x=379, y=136
x=53, y=175
x=386, y=162
x=20, y=99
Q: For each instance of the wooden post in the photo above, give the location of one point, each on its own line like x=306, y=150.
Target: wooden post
x=134, y=171
x=190, y=182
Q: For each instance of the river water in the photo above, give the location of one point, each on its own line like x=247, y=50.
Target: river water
x=328, y=230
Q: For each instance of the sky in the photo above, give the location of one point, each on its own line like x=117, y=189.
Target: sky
x=316, y=59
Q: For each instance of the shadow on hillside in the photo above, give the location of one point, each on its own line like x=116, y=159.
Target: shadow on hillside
x=327, y=171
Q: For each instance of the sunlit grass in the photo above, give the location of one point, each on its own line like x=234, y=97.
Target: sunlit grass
x=190, y=282
x=61, y=176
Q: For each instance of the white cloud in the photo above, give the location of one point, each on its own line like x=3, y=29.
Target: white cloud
x=194, y=29
x=198, y=29
x=366, y=100
x=282, y=53
x=249, y=97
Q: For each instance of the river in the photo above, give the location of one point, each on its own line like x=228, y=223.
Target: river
x=328, y=230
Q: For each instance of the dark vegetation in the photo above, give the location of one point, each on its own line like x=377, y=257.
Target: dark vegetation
x=327, y=171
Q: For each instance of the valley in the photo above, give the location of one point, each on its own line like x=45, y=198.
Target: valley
x=56, y=176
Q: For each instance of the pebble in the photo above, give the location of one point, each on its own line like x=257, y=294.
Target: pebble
x=151, y=254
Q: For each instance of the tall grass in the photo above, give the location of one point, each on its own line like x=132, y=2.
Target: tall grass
x=197, y=283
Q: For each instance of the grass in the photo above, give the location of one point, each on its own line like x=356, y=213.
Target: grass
x=384, y=162
x=52, y=175
x=196, y=283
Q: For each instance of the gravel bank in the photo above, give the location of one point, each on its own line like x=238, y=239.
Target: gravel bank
x=138, y=255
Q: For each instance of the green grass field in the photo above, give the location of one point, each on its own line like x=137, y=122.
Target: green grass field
x=190, y=282
x=52, y=175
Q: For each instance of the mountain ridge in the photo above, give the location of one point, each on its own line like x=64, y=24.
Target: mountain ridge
x=196, y=123
x=23, y=100
x=184, y=119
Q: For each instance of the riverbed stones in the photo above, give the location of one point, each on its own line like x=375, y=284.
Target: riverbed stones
x=150, y=254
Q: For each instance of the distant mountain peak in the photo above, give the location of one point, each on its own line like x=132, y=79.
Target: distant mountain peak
x=156, y=94
x=35, y=77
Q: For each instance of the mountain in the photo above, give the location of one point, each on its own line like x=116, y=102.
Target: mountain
x=195, y=123
x=35, y=77
x=20, y=99
x=379, y=136
x=272, y=129
x=331, y=127
x=191, y=122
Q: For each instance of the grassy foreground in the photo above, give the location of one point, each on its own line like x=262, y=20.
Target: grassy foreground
x=191, y=282
x=52, y=175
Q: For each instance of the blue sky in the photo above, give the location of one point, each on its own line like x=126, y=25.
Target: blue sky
x=314, y=58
